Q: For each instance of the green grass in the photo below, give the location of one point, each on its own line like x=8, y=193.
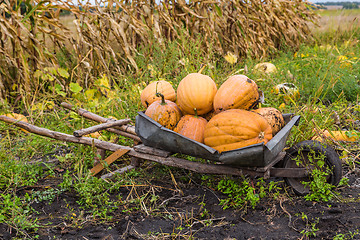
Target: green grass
x=341, y=12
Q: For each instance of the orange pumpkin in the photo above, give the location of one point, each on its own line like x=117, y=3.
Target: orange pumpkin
x=165, y=112
x=192, y=127
x=274, y=118
x=237, y=92
x=18, y=117
x=236, y=128
x=196, y=91
x=148, y=95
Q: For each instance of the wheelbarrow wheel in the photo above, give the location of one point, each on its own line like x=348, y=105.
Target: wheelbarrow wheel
x=301, y=155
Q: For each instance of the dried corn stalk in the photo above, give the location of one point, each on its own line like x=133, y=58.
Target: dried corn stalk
x=106, y=36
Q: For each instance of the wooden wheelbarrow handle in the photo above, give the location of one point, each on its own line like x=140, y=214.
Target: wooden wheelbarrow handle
x=169, y=161
x=126, y=130
x=63, y=136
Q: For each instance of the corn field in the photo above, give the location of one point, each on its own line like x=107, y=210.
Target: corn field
x=39, y=53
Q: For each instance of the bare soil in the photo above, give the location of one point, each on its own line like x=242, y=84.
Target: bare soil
x=192, y=210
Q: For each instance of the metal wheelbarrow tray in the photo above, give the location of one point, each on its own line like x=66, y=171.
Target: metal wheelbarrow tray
x=154, y=135
x=258, y=160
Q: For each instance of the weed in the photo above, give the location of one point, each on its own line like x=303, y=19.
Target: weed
x=47, y=195
x=240, y=195
x=347, y=236
x=310, y=226
x=16, y=212
x=320, y=189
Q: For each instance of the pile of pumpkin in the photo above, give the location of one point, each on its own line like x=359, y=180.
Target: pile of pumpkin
x=223, y=118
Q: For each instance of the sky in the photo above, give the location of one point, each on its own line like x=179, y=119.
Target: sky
x=321, y=1
x=317, y=1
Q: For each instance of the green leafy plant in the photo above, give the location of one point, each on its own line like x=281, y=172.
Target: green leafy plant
x=310, y=226
x=320, y=189
x=16, y=212
x=240, y=195
x=347, y=236
x=47, y=195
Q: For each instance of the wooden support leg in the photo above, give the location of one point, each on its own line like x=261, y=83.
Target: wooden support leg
x=135, y=162
x=95, y=170
x=99, y=152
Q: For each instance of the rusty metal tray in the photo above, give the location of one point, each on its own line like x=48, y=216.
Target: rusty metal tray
x=154, y=135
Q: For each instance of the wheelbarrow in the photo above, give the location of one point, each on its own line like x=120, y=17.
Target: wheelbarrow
x=156, y=143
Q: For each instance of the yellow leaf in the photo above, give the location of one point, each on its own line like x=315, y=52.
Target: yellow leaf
x=49, y=105
x=153, y=72
x=341, y=58
x=112, y=117
x=103, y=84
x=281, y=106
x=111, y=95
x=231, y=58
x=345, y=65
x=94, y=135
x=90, y=93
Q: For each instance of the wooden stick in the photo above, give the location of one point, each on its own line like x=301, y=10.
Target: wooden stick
x=97, y=118
x=197, y=166
x=124, y=134
x=110, y=159
x=82, y=132
x=120, y=171
x=63, y=136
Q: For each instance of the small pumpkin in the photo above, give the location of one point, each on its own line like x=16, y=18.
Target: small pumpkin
x=288, y=91
x=274, y=118
x=349, y=136
x=265, y=67
x=165, y=112
x=192, y=126
x=148, y=95
x=18, y=117
x=236, y=128
x=237, y=92
x=196, y=91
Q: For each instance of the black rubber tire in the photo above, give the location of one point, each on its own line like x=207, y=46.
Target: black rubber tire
x=332, y=161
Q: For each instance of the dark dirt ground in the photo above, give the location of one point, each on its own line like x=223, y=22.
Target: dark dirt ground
x=180, y=215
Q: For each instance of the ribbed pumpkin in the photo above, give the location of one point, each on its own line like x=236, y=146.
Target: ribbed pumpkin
x=148, y=95
x=196, y=91
x=192, y=126
x=274, y=118
x=165, y=112
x=237, y=92
x=236, y=128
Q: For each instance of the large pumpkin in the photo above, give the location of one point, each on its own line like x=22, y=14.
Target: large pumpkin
x=165, y=112
x=274, y=118
x=148, y=95
x=192, y=127
x=237, y=92
x=196, y=91
x=236, y=128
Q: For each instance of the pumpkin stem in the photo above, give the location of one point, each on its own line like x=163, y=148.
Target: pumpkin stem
x=202, y=68
x=196, y=113
x=261, y=135
x=162, y=98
